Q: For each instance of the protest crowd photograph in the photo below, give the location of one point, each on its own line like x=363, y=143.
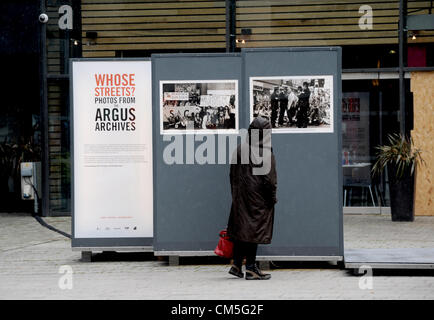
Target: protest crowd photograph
x=293, y=103
x=198, y=106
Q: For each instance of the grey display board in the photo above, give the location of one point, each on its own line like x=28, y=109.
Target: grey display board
x=192, y=202
x=308, y=215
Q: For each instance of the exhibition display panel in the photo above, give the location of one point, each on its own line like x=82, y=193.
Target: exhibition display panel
x=192, y=191
x=308, y=214
x=153, y=139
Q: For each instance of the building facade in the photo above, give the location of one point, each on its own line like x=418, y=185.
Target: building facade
x=383, y=63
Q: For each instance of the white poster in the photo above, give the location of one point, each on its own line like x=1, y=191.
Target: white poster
x=112, y=118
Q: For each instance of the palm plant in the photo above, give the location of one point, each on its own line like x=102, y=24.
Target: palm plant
x=400, y=153
x=401, y=159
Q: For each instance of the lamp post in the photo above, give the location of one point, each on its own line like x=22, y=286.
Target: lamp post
x=43, y=109
x=402, y=38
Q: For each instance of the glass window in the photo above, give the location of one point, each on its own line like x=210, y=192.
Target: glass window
x=369, y=114
x=61, y=44
x=20, y=135
x=59, y=147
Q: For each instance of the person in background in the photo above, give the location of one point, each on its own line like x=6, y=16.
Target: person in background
x=303, y=107
x=274, y=100
x=253, y=199
x=227, y=118
x=197, y=120
x=292, y=106
x=232, y=115
x=283, y=104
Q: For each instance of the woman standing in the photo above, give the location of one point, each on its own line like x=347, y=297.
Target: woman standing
x=253, y=199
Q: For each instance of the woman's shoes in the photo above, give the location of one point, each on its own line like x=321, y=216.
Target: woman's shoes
x=236, y=271
x=254, y=273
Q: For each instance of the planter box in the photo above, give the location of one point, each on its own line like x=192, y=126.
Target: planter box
x=401, y=195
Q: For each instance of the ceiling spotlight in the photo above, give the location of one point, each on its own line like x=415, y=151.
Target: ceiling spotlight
x=91, y=34
x=246, y=32
x=392, y=51
x=413, y=37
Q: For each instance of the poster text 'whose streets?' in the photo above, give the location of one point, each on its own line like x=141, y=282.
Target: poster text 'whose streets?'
x=114, y=97
x=114, y=101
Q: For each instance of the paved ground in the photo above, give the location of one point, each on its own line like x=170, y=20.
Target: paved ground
x=30, y=258
x=378, y=231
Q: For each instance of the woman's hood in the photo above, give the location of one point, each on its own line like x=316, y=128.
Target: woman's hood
x=260, y=133
x=259, y=139
x=260, y=123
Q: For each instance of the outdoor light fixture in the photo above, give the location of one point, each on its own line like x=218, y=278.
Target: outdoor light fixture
x=246, y=32
x=91, y=34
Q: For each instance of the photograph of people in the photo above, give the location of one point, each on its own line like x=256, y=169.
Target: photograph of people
x=191, y=106
x=294, y=104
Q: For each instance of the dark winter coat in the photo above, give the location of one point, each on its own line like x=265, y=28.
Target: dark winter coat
x=303, y=100
x=253, y=197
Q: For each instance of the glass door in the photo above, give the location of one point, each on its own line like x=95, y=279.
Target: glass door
x=369, y=113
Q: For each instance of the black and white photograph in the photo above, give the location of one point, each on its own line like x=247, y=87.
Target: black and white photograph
x=293, y=104
x=194, y=106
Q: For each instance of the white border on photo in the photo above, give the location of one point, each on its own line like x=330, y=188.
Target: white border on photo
x=328, y=129
x=200, y=131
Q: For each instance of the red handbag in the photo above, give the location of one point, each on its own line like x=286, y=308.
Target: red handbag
x=225, y=247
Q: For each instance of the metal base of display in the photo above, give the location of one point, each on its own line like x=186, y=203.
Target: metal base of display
x=360, y=268
x=406, y=258
x=175, y=255
x=119, y=249
x=86, y=252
